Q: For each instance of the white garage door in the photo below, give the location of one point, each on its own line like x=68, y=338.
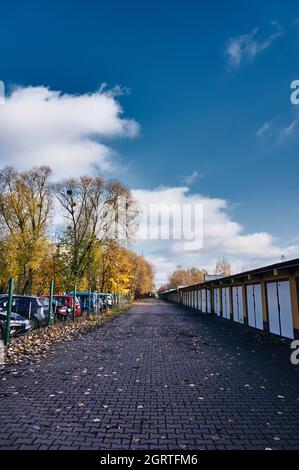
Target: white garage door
x=225, y=302
x=203, y=301
x=238, y=310
x=254, y=306
x=208, y=297
x=216, y=302
x=280, y=308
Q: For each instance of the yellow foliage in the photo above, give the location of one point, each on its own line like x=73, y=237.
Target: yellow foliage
x=33, y=259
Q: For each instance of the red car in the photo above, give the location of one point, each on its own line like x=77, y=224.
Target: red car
x=61, y=311
x=67, y=301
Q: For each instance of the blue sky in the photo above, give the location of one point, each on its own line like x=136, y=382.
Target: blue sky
x=200, y=106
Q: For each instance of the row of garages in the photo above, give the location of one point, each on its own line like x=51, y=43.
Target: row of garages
x=264, y=298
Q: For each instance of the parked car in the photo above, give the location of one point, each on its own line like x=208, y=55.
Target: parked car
x=103, y=299
x=67, y=300
x=18, y=325
x=60, y=311
x=35, y=309
x=96, y=304
x=107, y=299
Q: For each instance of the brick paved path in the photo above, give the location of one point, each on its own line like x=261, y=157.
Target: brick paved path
x=159, y=377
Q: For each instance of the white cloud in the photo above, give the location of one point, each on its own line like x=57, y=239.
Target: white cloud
x=190, y=179
x=39, y=126
x=281, y=132
x=268, y=128
x=70, y=133
x=289, y=129
x=244, y=48
x=264, y=129
x=221, y=236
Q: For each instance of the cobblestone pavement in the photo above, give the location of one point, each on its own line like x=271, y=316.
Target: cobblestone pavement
x=159, y=376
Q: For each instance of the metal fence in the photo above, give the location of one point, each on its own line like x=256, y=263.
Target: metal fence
x=93, y=305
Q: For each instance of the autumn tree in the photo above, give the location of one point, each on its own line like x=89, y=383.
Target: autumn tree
x=185, y=277
x=25, y=204
x=223, y=267
x=90, y=245
x=123, y=271
x=143, y=275
x=118, y=269
x=95, y=212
